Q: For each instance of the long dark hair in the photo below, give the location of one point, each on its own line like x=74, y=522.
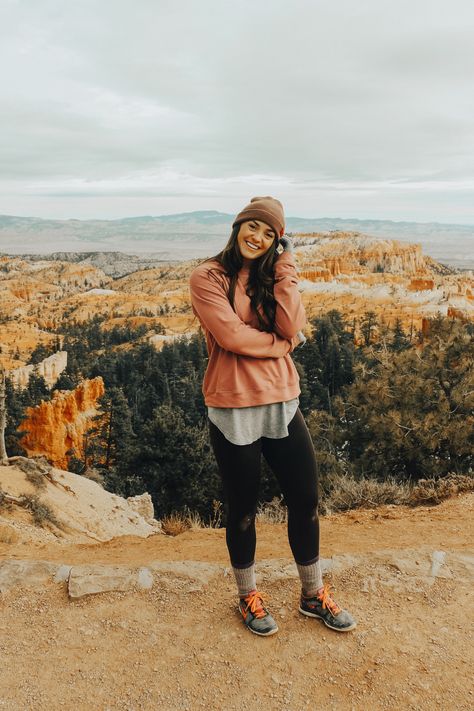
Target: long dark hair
x=261, y=277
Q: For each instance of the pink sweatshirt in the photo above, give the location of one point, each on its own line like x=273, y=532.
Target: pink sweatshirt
x=248, y=366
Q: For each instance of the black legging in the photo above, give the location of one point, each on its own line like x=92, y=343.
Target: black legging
x=293, y=462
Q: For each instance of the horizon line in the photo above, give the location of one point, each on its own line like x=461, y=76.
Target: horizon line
x=231, y=215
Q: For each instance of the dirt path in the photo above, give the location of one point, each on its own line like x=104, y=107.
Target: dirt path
x=182, y=646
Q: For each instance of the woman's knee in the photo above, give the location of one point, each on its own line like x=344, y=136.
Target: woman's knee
x=307, y=508
x=246, y=522
x=242, y=521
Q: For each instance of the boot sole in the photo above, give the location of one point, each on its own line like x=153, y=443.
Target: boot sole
x=318, y=617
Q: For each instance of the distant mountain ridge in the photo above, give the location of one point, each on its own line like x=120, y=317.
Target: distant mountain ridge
x=201, y=233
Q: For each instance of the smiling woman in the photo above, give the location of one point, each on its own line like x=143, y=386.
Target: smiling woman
x=249, y=306
x=254, y=239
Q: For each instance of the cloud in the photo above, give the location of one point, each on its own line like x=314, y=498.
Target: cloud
x=153, y=99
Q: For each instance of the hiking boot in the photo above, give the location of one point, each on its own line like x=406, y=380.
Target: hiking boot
x=255, y=616
x=324, y=607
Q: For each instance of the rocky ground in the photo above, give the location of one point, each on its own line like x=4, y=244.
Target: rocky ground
x=177, y=641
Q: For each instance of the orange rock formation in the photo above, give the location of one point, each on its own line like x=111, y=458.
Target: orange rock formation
x=57, y=426
x=420, y=284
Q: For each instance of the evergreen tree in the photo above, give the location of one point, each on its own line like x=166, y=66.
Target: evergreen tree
x=3, y=417
x=110, y=437
x=175, y=463
x=368, y=326
x=65, y=382
x=41, y=352
x=411, y=415
x=399, y=340
x=15, y=404
x=36, y=389
x=327, y=358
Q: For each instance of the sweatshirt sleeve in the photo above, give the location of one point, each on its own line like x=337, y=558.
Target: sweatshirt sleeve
x=212, y=307
x=290, y=316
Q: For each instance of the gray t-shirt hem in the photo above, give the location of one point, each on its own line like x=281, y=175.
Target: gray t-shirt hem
x=244, y=425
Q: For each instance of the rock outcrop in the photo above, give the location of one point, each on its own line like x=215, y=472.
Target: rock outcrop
x=75, y=508
x=421, y=284
x=143, y=505
x=50, y=368
x=57, y=426
x=353, y=253
x=47, y=280
x=348, y=271
x=355, y=273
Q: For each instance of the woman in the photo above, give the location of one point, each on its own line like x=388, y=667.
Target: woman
x=247, y=301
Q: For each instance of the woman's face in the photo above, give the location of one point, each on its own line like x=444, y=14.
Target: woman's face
x=254, y=232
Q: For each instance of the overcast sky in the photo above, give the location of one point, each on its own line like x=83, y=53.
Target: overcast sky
x=340, y=108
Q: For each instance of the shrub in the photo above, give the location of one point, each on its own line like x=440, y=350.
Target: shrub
x=40, y=511
x=343, y=493
x=175, y=523
x=433, y=491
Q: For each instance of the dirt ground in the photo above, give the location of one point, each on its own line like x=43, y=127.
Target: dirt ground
x=178, y=647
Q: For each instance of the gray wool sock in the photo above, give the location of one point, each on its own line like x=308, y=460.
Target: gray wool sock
x=245, y=579
x=311, y=577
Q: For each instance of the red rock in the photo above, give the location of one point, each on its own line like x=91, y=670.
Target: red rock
x=56, y=426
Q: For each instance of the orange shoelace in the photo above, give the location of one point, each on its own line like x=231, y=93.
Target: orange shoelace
x=253, y=602
x=328, y=602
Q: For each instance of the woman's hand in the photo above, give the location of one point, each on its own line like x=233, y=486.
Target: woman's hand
x=287, y=244
x=302, y=338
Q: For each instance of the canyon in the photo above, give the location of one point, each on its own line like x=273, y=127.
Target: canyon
x=349, y=271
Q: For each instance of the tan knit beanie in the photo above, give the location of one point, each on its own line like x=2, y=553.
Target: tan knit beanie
x=267, y=209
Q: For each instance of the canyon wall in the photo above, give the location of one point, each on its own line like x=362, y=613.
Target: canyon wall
x=58, y=426
x=50, y=368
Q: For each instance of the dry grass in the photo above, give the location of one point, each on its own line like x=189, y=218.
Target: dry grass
x=178, y=522
x=343, y=493
x=273, y=511
x=432, y=491
x=94, y=475
x=40, y=511
x=35, y=469
x=175, y=523
x=340, y=493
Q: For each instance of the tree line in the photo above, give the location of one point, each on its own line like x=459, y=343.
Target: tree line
x=395, y=405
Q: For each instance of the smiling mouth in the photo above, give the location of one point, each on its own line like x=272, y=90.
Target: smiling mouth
x=252, y=247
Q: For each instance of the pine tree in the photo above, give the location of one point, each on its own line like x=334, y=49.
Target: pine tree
x=399, y=340
x=36, y=389
x=368, y=326
x=327, y=358
x=175, y=463
x=15, y=409
x=110, y=437
x=412, y=415
x=41, y=352
x=65, y=382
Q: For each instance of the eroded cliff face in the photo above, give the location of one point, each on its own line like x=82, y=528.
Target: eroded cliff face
x=355, y=273
x=348, y=271
x=47, y=280
x=354, y=253
x=50, y=368
x=58, y=426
